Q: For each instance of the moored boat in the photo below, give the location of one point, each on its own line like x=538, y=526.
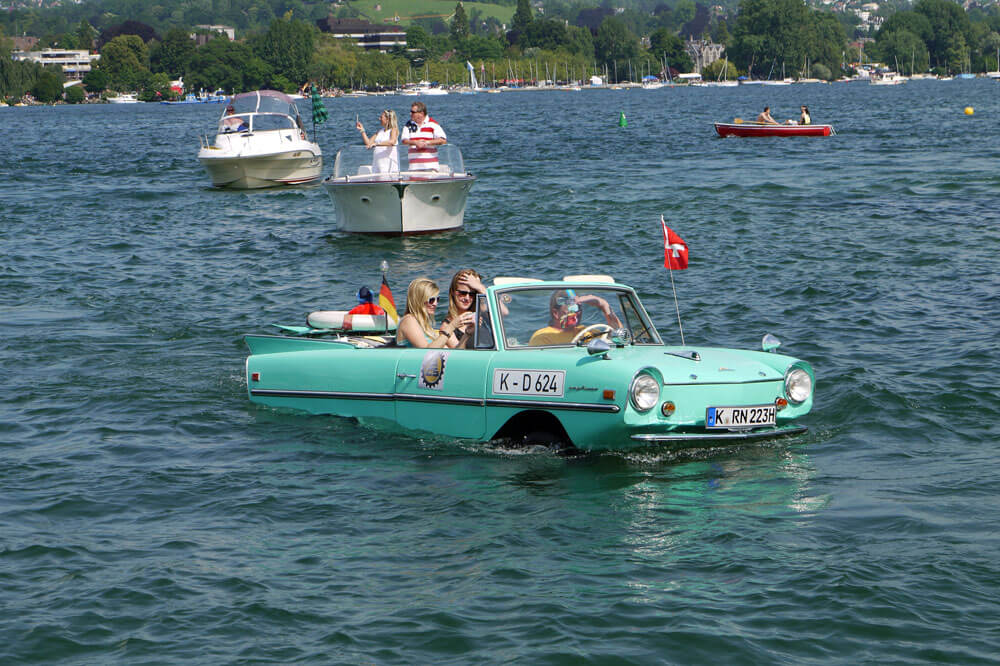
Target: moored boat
x=124, y=98
x=762, y=129
x=260, y=142
x=389, y=196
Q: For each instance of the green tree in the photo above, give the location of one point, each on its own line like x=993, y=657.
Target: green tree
x=770, y=33
x=288, y=47
x=85, y=36
x=913, y=22
x=684, y=12
x=579, y=41
x=665, y=45
x=48, y=86
x=546, y=34
x=522, y=16
x=615, y=43
x=720, y=69
x=75, y=94
x=224, y=64
x=173, y=53
x=720, y=33
x=948, y=45
x=906, y=49
x=125, y=58
x=459, y=24
x=96, y=80
x=826, y=45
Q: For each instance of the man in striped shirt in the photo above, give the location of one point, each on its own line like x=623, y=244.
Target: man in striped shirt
x=423, y=135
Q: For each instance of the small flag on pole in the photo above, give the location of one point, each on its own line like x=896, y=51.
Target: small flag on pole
x=675, y=250
x=386, y=302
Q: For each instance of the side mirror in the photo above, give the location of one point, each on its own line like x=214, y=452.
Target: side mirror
x=769, y=343
x=621, y=337
x=598, y=346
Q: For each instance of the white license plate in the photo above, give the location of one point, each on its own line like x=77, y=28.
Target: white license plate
x=740, y=417
x=529, y=382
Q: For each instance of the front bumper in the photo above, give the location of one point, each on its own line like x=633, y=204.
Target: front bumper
x=728, y=435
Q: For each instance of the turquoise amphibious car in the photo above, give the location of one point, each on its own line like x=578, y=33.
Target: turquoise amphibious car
x=574, y=361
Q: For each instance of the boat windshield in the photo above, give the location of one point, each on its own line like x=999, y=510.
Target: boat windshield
x=260, y=111
x=553, y=316
x=360, y=163
x=265, y=101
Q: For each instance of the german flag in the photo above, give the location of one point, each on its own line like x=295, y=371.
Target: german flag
x=386, y=303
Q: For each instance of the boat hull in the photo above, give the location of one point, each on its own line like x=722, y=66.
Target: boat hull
x=248, y=173
x=400, y=206
x=749, y=129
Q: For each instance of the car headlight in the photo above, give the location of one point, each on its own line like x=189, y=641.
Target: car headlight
x=798, y=385
x=644, y=392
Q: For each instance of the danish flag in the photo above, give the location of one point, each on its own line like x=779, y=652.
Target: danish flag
x=675, y=250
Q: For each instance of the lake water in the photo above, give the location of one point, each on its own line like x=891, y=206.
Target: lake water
x=150, y=514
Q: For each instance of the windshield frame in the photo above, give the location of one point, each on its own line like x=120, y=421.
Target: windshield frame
x=622, y=291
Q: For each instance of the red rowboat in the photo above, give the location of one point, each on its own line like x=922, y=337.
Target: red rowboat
x=761, y=129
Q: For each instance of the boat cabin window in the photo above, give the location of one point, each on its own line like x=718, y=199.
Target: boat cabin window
x=552, y=317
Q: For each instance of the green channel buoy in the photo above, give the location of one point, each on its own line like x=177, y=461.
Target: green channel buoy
x=621, y=120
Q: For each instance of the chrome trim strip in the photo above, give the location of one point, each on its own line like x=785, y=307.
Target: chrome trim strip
x=276, y=393
x=446, y=399
x=568, y=406
x=710, y=436
x=776, y=380
x=451, y=400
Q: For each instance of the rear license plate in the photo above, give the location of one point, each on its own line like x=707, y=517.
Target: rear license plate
x=740, y=417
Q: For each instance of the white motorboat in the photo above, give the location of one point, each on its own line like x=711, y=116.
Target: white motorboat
x=124, y=98
x=426, y=88
x=260, y=143
x=386, y=195
x=887, y=79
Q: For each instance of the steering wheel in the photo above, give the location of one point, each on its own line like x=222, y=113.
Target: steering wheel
x=592, y=331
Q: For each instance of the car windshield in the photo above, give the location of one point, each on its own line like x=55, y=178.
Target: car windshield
x=556, y=316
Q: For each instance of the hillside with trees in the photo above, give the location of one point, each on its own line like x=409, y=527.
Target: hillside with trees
x=144, y=46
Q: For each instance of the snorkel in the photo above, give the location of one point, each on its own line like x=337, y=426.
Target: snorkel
x=572, y=316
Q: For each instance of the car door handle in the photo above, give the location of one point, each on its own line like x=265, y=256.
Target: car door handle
x=403, y=375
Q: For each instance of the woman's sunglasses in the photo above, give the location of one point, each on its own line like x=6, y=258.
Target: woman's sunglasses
x=462, y=292
x=433, y=300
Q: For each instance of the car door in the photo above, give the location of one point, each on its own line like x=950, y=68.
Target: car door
x=442, y=391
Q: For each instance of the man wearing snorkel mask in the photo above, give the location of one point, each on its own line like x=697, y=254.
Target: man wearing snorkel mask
x=564, y=318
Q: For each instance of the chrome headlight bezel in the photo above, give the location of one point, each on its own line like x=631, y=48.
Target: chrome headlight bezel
x=644, y=392
x=798, y=385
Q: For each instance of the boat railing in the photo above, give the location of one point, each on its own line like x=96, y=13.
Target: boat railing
x=359, y=163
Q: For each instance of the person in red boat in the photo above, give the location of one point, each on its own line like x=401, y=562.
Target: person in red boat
x=765, y=117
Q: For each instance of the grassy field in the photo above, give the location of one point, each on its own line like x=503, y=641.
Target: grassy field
x=407, y=10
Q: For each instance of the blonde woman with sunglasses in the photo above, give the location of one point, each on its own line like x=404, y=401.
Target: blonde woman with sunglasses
x=416, y=328
x=385, y=159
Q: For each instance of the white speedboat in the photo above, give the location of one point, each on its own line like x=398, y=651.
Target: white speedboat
x=426, y=88
x=124, y=98
x=398, y=199
x=260, y=143
x=887, y=79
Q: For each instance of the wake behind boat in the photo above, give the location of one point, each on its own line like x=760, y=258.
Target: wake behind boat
x=764, y=129
x=260, y=143
x=389, y=196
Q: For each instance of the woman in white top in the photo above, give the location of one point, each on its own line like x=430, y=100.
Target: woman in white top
x=386, y=156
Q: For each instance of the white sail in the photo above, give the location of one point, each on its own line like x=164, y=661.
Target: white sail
x=473, y=83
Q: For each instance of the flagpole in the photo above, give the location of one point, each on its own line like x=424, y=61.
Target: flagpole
x=676, y=306
x=670, y=269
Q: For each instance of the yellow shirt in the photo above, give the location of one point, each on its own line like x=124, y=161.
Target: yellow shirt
x=550, y=335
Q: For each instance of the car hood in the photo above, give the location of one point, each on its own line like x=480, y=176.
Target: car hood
x=682, y=365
